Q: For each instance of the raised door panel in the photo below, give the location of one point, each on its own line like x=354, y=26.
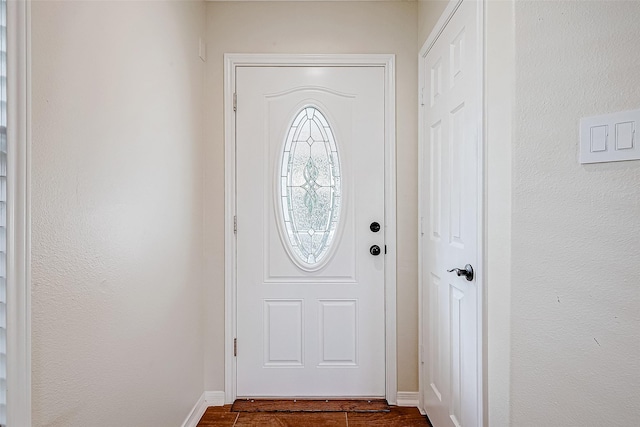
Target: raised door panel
x=451, y=120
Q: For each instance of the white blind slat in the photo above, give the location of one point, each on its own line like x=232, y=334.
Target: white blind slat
x=3, y=212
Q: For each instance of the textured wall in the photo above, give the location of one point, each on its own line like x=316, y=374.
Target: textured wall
x=576, y=228
x=309, y=27
x=117, y=213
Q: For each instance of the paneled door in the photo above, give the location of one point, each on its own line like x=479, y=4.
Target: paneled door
x=449, y=204
x=310, y=231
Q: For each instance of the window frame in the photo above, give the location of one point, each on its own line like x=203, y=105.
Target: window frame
x=287, y=232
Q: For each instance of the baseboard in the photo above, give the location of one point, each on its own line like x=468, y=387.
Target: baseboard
x=214, y=398
x=208, y=398
x=408, y=398
x=196, y=413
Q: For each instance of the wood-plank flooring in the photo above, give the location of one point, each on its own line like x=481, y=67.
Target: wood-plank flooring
x=222, y=416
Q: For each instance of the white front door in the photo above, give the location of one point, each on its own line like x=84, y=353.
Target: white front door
x=449, y=203
x=309, y=188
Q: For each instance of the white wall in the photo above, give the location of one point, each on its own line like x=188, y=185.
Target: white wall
x=429, y=12
x=117, y=202
x=117, y=212
x=310, y=27
x=575, y=291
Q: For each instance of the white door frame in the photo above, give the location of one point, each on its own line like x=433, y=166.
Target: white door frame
x=446, y=16
x=231, y=61
x=18, y=213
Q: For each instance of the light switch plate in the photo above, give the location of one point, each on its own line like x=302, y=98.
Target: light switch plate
x=610, y=137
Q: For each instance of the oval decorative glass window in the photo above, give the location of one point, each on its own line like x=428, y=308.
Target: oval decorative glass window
x=310, y=190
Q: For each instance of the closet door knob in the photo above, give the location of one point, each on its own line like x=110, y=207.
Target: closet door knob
x=467, y=272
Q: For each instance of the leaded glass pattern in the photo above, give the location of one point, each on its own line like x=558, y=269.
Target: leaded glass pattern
x=310, y=186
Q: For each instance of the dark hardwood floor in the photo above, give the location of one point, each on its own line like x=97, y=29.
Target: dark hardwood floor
x=221, y=416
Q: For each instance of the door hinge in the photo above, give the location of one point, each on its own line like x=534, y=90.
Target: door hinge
x=235, y=101
x=422, y=96
x=235, y=347
x=235, y=224
x=385, y=249
x=421, y=226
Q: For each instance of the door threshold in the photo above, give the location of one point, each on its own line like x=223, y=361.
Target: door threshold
x=310, y=405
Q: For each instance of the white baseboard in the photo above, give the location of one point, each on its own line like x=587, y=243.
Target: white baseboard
x=408, y=398
x=196, y=413
x=208, y=398
x=214, y=398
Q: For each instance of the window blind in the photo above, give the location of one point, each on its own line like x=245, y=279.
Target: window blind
x=3, y=213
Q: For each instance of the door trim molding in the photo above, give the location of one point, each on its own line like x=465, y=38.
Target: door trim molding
x=439, y=27
x=387, y=61
x=19, y=214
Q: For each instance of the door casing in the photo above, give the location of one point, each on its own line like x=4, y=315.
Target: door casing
x=387, y=61
x=439, y=27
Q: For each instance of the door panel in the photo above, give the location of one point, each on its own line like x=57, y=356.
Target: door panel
x=310, y=321
x=451, y=122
